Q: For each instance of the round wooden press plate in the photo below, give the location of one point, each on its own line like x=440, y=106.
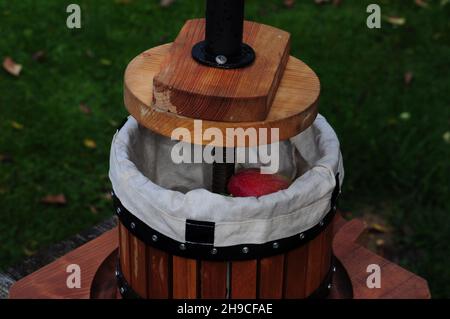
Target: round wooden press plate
x=293, y=110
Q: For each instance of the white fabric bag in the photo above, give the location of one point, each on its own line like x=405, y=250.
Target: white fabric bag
x=164, y=195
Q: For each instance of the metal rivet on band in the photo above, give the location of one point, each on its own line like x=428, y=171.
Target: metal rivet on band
x=245, y=250
x=118, y=210
x=122, y=290
x=155, y=238
x=302, y=236
x=221, y=59
x=275, y=245
x=321, y=223
x=329, y=286
x=334, y=269
x=182, y=246
x=133, y=225
x=117, y=273
x=112, y=193
x=214, y=251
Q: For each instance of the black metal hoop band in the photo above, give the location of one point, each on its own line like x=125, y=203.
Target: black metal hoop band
x=200, y=238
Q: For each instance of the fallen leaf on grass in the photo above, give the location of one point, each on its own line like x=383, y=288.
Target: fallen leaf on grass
x=446, y=137
x=105, y=62
x=396, y=21
x=166, y=3
x=113, y=123
x=93, y=209
x=38, y=56
x=12, y=67
x=378, y=228
x=408, y=77
x=421, y=3
x=17, y=125
x=380, y=242
x=6, y=158
x=107, y=196
x=59, y=199
x=90, y=143
x=289, y=3
x=405, y=116
x=85, y=109
x=28, y=252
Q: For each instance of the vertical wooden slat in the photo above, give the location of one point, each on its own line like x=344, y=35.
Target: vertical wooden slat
x=213, y=280
x=158, y=266
x=124, y=252
x=184, y=278
x=244, y=279
x=327, y=250
x=314, y=267
x=271, y=277
x=295, y=273
x=138, y=266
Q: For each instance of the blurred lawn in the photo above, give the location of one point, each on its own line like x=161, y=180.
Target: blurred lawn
x=392, y=135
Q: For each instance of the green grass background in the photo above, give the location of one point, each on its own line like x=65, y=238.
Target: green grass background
x=396, y=168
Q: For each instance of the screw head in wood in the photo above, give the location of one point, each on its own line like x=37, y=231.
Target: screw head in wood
x=221, y=59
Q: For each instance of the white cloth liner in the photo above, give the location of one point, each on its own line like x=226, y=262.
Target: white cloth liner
x=163, y=194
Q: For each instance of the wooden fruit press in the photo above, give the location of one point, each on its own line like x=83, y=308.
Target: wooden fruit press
x=179, y=235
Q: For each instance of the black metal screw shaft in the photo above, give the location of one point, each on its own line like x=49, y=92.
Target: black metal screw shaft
x=223, y=46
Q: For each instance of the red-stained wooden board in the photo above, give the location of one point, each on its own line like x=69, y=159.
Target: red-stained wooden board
x=243, y=279
x=97, y=256
x=396, y=282
x=213, y=280
x=49, y=282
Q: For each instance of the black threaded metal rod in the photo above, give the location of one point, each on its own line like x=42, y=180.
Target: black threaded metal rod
x=224, y=27
x=222, y=173
x=223, y=46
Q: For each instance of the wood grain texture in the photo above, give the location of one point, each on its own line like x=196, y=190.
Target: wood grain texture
x=49, y=282
x=124, y=252
x=271, y=274
x=138, y=266
x=244, y=279
x=187, y=88
x=327, y=249
x=213, y=280
x=314, y=265
x=296, y=273
x=396, y=282
x=159, y=274
x=185, y=278
x=294, y=107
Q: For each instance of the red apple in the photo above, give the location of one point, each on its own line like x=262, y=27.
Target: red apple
x=251, y=182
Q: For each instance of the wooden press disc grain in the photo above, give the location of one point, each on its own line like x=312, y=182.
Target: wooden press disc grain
x=293, y=110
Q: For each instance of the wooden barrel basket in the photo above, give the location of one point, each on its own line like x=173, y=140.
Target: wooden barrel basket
x=153, y=266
